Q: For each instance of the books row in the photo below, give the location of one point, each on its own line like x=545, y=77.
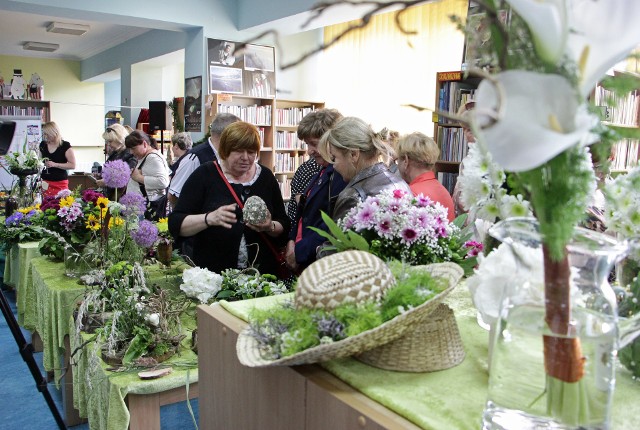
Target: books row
x=23, y=111
x=625, y=154
x=285, y=163
x=290, y=117
x=289, y=140
x=448, y=180
x=452, y=143
x=619, y=110
x=452, y=95
x=254, y=114
x=285, y=188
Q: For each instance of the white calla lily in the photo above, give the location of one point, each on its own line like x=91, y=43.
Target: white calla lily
x=538, y=117
x=602, y=34
x=547, y=21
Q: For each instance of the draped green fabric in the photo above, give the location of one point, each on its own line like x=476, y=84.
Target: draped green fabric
x=452, y=398
x=18, y=276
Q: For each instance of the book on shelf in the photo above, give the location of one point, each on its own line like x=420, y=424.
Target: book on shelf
x=287, y=162
x=285, y=187
x=452, y=95
x=290, y=117
x=255, y=114
x=288, y=140
x=452, y=143
x=625, y=154
x=448, y=180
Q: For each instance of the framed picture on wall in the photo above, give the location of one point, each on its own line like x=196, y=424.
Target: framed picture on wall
x=193, y=104
x=257, y=57
x=225, y=80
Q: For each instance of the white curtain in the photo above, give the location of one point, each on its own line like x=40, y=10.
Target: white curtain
x=371, y=73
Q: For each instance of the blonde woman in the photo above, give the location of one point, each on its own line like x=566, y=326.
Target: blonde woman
x=114, y=137
x=416, y=157
x=355, y=151
x=60, y=158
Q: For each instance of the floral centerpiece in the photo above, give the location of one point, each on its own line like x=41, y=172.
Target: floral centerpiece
x=394, y=225
x=20, y=227
x=531, y=115
x=231, y=284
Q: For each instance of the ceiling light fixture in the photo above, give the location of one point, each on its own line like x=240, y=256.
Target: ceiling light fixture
x=38, y=46
x=64, y=28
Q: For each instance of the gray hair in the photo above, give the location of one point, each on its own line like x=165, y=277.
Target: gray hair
x=352, y=133
x=316, y=123
x=183, y=140
x=220, y=122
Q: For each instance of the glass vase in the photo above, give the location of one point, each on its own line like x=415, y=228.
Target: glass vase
x=526, y=390
x=75, y=263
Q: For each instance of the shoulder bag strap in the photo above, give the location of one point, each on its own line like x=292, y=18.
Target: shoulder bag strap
x=264, y=237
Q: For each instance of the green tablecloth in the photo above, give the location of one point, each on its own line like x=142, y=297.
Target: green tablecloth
x=452, y=398
x=17, y=274
x=99, y=395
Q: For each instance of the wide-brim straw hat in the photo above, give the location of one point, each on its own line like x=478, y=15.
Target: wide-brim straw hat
x=248, y=349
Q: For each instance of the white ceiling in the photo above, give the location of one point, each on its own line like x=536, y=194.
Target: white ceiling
x=20, y=27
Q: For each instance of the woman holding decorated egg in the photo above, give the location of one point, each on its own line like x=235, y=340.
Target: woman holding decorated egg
x=211, y=201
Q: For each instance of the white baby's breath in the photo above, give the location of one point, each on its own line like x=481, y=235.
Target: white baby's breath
x=622, y=204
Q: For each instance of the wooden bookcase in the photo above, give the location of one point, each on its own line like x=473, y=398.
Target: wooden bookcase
x=453, y=89
x=621, y=112
x=25, y=109
x=277, y=120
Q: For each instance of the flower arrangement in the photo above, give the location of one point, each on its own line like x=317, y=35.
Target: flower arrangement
x=531, y=115
x=26, y=159
x=394, y=225
x=231, y=284
x=164, y=236
x=285, y=330
x=20, y=227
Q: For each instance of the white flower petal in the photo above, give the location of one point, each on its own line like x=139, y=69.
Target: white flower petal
x=541, y=118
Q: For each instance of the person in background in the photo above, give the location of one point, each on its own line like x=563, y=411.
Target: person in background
x=151, y=175
x=319, y=195
x=416, y=157
x=208, y=212
x=199, y=155
x=299, y=182
x=181, y=143
x=114, y=137
x=465, y=114
x=355, y=151
x=390, y=137
x=60, y=158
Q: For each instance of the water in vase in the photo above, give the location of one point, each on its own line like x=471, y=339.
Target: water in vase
x=521, y=395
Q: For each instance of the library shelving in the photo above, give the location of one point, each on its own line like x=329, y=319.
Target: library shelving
x=453, y=89
x=277, y=120
x=25, y=109
x=621, y=112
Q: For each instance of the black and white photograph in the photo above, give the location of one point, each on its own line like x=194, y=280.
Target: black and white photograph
x=257, y=57
x=193, y=103
x=225, y=80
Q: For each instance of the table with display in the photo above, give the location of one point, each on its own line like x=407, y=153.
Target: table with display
x=348, y=394
x=51, y=298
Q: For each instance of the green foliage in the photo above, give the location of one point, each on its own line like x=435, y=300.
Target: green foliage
x=340, y=240
x=559, y=193
x=248, y=284
x=138, y=346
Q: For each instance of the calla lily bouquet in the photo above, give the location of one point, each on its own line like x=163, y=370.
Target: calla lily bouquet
x=532, y=116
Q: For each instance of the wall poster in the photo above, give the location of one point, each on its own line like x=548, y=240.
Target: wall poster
x=193, y=104
x=249, y=71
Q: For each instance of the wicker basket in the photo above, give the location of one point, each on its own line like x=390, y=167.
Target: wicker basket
x=434, y=344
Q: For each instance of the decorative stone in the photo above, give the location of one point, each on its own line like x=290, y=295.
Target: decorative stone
x=255, y=210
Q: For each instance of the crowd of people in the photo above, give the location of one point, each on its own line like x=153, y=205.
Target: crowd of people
x=206, y=186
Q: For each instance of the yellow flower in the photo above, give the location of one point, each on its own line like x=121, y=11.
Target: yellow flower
x=102, y=202
x=117, y=221
x=163, y=220
x=93, y=223
x=29, y=209
x=66, y=201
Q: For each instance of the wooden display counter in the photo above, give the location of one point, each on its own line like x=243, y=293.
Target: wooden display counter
x=302, y=397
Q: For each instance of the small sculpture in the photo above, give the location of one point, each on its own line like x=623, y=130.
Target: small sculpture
x=36, y=87
x=17, y=85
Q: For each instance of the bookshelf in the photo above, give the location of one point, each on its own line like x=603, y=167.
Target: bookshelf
x=453, y=90
x=25, y=109
x=277, y=121
x=621, y=112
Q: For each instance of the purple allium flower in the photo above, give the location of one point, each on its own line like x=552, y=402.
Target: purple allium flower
x=146, y=234
x=134, y=204
x=116, y=173
x=90, y=196
x=14, y=219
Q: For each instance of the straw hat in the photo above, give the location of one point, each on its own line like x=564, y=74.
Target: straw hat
x=248, y=349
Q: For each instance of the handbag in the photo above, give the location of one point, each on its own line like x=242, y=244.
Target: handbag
x=282, y=270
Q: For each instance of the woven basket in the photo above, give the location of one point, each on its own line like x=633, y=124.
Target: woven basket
x=248, y=349
x=433, y=345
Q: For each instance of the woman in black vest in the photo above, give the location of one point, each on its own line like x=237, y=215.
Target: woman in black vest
x=60, y=158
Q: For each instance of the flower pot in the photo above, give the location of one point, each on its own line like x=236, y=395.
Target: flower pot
x=531, y=384
x=165, y=251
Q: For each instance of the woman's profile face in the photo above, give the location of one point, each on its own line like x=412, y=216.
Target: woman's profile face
x=239, y=162
x=342, y=163
x=139, y=151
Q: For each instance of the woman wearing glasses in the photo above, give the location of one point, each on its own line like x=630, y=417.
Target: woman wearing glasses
x=60, y=158
x=114, y=137
x=208, y=208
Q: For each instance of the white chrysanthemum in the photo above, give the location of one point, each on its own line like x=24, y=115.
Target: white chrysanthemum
x=510, y=269
x=622, y=204
x=201, y=283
